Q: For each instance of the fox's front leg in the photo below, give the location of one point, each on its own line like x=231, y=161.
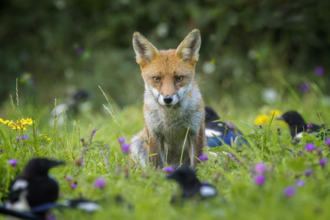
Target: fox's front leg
x=154, y=148
x=196, y=146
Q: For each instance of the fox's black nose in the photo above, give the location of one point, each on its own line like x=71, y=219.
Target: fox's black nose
x=168, y=99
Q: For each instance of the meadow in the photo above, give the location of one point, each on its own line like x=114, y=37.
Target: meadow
x=286, y=190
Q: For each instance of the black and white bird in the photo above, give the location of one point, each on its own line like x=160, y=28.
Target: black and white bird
x=224, y=132
x=296, y=123
x=191, y=186
x=72, y=106
x=34, y=191
x=82, y=204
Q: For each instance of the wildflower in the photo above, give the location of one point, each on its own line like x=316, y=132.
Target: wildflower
x=260, y=179
x=275, y=112
x=304, y=87
x=29, y=121
x=24, y=137
x=205, y=182
x=45, y=137
x=289, y=191
x=319, y=70
x=323, y=162
x=80, y=51
x=5, y=122
x=261, y=119
x=310, y=147
x=121, y=140
x=319, y=151
x=308, y=172
x=168, y=169
x=48, y=139
x=125, y=148
x=327, y=142
x=80, y=162
x=309, y=126
x=260, y=168
x=17, y=138
x=1, y=120
x=99, y=183
x=73, y=186
x=101, y=152
x=300, y=183
x=68, y=178
x=51, y=217
x=52, y=158
x=42, y=146
x=13, y=162
x=300, y=153
x=23, y=127
x=203, y=157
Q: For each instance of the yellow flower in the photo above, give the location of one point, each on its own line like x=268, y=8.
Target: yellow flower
x=29, y=121
x=10, y=123
x=261, y=119
x=1, y=120
x=23, y=121
x=277, y=112
x=23, y=127
x=45, y=136
x=15, y=127
x=5, y=122
x=48, y=139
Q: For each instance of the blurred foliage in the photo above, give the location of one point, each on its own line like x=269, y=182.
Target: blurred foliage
x=66, y=45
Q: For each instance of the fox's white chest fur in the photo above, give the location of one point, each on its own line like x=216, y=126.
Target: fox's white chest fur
x=170, y=125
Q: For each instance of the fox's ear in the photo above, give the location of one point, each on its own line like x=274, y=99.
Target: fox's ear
x=144, y=50
x=189, y=47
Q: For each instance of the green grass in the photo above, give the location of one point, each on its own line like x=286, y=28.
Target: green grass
x=148, y=190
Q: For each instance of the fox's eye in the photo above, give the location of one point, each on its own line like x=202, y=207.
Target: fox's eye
x=178, y=78
x=157, y=79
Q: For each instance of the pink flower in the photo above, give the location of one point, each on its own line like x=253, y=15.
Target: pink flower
x=13, y=162
x=260, y=179
x=203, y=157
x=99, y=183
x=168, y=169
x=260, y=168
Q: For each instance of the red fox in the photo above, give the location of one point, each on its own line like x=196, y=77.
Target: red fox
x=173, y=105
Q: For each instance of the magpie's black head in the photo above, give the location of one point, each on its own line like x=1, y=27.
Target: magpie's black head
x=40, y=166
x=184, y=175
x=81, y=95
x=292, y=118
x=210, y=115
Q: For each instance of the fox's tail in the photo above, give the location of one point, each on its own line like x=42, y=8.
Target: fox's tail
x=139, y=149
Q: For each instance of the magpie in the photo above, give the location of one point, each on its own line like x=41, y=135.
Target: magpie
x=191, y=186
x=296, y=123
x=34, y=191
x=226, y=132
x=72, y=106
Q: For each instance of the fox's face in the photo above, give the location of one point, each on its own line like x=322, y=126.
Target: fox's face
x=168, y=75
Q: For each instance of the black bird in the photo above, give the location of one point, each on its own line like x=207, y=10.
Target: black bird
x=296, y=123
x=191, y=186
x=34, y=191
x=227, y=133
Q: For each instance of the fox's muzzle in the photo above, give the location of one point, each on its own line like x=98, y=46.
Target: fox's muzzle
x=168, y=99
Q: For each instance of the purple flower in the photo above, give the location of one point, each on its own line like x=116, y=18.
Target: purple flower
x=24, y=137
x=99, y=183
x=73, y=186
x=51, y=217
x=32, y=80
x=125, y=148
x=300, y=183
x=260, y=168
x=17, y=138
x=52, y=158
x=168, y=169
x=203, y=157
x=323, y=162
x=308, y=172
x=206, y=183
x=80, y=51
x=304, y=87
x=289, y=191
x=232, y=156
x=13, y=162
x=319, y=70
x=327, y=142
x=121, y=140
x=300, y=153
x=310, y=147
x=260, y=179
x=68, y=178
x=309, y=126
